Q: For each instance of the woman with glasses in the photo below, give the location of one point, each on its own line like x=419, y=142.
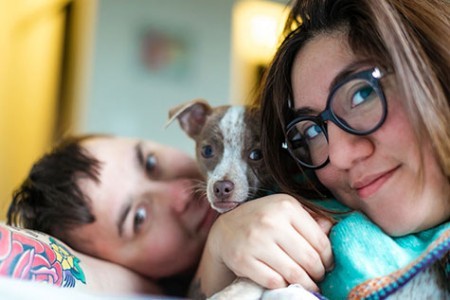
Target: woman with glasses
x=358, y=92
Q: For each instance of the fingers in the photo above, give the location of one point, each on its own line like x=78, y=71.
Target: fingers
x=293, y=272
x=275, y=241
x=315, y=234
x=324, y=222
x=264, y=275
x=276, y=271
x=302, y=257
x=300, y=249
x=299, y=235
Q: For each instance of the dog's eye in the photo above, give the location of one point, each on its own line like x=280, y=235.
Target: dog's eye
x=207, y=151
x=256, y=154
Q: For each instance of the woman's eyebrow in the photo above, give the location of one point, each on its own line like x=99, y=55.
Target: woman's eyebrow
x=305, y=110
x=348, y=70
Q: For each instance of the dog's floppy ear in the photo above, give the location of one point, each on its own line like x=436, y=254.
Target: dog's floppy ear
x=191, y=116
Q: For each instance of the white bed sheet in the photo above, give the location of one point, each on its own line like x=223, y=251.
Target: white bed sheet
x=13, y=289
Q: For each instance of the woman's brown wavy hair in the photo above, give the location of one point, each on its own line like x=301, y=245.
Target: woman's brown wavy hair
x=410, y=37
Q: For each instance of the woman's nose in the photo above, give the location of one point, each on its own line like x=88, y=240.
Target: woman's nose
x=346, y=149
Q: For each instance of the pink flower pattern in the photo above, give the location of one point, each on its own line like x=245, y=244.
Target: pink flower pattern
x=23, y=257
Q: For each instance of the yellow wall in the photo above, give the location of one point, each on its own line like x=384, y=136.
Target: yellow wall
x=31, y=37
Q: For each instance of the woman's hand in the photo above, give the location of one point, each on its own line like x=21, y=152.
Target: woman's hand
x=273, y=240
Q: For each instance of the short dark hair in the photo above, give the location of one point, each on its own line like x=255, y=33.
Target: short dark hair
x=49, y=199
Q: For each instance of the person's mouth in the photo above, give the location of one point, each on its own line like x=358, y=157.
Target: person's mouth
x=369, y=185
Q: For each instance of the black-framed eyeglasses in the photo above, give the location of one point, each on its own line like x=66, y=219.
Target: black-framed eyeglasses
x=356, y=105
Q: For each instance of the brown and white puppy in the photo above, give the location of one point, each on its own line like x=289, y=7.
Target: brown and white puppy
x=227, y=149
x=228, y=152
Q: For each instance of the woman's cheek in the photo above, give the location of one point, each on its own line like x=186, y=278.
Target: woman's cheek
x=337, y=183
x=328, y=177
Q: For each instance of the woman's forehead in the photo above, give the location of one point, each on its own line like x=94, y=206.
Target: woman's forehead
x=315, y=67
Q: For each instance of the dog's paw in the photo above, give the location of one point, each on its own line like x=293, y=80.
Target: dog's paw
x=292, y=292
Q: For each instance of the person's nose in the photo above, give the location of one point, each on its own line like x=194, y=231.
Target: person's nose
x=346, y=149
x=177, y=194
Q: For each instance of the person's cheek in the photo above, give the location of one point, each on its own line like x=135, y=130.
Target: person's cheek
x=182, y=166
x=327, y=177
x=335, y=182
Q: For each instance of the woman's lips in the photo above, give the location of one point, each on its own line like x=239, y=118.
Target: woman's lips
x=369, y=186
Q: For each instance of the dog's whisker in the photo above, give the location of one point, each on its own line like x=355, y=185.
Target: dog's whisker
x=197, y=189
x=200, y=194
x=200, y=186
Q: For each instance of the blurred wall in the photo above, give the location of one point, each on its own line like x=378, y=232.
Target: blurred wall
x=31, y=47
x=126, y=97
x=77, y=66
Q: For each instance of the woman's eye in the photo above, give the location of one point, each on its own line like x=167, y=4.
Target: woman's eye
x=297, y=141
x=312, y=131
x=362, y=95
x=256, y=154
x=139, y=218
x=150, y=163
x=207, y=151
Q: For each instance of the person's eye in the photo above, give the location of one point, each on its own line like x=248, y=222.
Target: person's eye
x=362, y=95
x=256, y=154
x=150, y=164
x=312, y=131
x=207, y=151
x=139, y=219
x=297, y=140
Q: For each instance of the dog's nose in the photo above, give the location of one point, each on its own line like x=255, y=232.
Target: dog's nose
x=223, y=189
